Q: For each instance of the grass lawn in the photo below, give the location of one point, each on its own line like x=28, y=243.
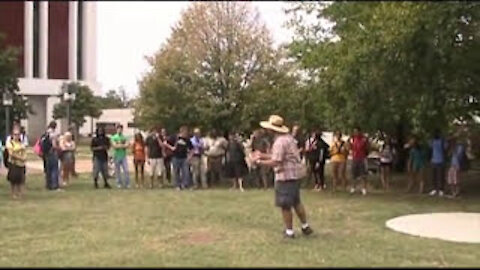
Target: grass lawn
x=87, y=227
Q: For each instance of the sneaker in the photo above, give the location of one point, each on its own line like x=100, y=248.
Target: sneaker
x=288, y=236
x=433, y=193
x=59, y=190
x=178, y=188
x=307, y=230
x=96, y=185
x=352, y=190
x=440, y=193
x=107, y=186
x=119, y=186
x=364, y=192
x=324, y=187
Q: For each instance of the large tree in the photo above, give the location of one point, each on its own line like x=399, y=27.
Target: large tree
x=9, y=83
x=391, y=65
x=217, y=69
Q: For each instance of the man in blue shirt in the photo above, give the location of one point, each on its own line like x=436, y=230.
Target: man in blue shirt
x=439, y=146
x=198, y=166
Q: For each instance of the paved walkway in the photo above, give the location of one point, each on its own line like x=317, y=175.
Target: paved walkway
x=82, y=166
x=456, y=227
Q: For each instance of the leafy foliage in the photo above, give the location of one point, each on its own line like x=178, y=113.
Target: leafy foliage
x=390, y=66
x=9, y=83
x=217, y=69
x=85, y=104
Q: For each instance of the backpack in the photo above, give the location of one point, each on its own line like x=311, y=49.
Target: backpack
x=464, y=161
x=45, y=143
x=5, y=157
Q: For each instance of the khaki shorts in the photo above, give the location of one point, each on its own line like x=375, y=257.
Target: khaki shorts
x=156, y=167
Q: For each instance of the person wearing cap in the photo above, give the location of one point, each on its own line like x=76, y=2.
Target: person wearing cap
x=289, y=170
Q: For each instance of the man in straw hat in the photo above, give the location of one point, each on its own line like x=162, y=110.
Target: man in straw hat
x=285, y=159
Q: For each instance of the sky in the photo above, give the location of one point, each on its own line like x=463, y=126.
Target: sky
x=129, y=31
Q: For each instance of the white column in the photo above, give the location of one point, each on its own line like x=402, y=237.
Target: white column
x=89, y=38
x=28, y=40
x=72, y=40
x=43, y=48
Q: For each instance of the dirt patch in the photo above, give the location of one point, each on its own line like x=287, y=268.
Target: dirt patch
x=202, y=237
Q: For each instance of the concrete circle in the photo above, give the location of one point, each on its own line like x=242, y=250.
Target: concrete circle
x=455, y=227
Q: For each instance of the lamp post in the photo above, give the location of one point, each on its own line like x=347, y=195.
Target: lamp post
x=7, y=102
x=69, y=98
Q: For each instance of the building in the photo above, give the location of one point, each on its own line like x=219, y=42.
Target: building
x=108, y=119
x=58, y=44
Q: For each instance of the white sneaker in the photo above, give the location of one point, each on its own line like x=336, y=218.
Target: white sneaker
x=440, y=193
x=352, y=190
x=364, y=192
x=433, y=193
x=119, y=186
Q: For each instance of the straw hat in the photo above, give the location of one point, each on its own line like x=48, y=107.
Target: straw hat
x=275, y=123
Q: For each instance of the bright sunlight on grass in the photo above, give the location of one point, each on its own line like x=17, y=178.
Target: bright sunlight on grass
x=87, y=227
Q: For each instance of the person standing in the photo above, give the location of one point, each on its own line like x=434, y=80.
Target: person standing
x=138, y=151
x=359, y=147
x=339, y=155
x=438, y=149
x=317, y=152
x=299, y=140
x=67, y=146
x=198, y=167
x=457, y=163
x=50, y=149
x=416, y=165
x=155, y=156
x=235, y=163
x=100, y=146
x=289, y=170
x=120, y=145
x=167, y=154
x=387, y=153
x=181, y=149
x=215, y=151
x=261, y=143
x=16, y=165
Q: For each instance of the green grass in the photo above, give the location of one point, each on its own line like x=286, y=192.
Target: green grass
x=87, y=227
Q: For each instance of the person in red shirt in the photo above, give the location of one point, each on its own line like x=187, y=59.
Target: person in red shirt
x=359, y=147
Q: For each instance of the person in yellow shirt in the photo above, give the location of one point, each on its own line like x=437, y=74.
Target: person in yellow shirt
x=338, y=159
x=16, y=166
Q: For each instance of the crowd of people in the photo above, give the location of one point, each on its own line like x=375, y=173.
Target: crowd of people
x=193, y=161
x=272, y=154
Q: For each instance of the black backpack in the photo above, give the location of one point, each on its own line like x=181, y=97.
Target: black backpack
x=5, y=157
x=45, y=143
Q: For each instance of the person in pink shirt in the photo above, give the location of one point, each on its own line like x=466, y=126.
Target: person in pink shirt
x=359, y=147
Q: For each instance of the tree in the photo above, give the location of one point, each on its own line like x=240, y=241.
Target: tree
x=391, y=66
x=85, y=104
x=217, y=69
x=112, y=100
x=9, y=83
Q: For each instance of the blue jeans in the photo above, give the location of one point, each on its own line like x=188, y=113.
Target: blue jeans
x=182, y=172
x=124, y=164
x=52, y=171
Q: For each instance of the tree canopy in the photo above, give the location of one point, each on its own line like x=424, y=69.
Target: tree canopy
x=9, y=83
x=85, y=104
x=390, y=66
x=217, y=69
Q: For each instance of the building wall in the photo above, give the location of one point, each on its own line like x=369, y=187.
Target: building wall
x=37, y=122
x=111, y=116
x=58, y=40
x=11, y=27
